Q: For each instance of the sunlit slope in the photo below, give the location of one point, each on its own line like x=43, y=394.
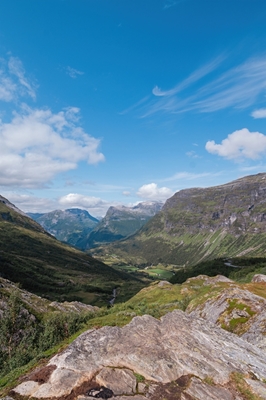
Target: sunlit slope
x=201, y=223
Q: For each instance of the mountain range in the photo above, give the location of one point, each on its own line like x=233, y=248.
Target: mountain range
x=68, y=225
x=200, y=224
x=120, y=222
x=45, y=266
x=78, y=228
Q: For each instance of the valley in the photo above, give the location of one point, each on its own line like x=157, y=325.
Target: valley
x=174, y=282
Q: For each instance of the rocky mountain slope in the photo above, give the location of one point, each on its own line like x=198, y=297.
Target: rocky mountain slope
x=45, y=266
x=119, y=223
x=68, y=225
x=197, y=354
x=200, y=224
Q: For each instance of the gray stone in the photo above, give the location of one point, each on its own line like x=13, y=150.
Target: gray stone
x=257, y=387
x=201, y=391
x=259, y=278
x=141, y=387
x=136, y=397
x=254, y=330
x=120, y=381
x=160, y=350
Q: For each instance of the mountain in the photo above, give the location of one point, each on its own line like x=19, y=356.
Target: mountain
x=202, y=340
x=43, y=265
x=200, y=224
x=68, y=225
x=119, y=223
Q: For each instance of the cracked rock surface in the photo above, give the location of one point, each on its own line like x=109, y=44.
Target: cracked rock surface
x=161, y=351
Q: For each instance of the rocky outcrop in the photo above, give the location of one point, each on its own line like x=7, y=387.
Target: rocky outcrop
x=259, y=278
x=180, y=355
x=235, y=309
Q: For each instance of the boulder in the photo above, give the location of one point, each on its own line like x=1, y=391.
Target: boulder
x=259, y=278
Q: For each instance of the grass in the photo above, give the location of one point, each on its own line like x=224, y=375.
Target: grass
x=241, y=385
x=51, y=269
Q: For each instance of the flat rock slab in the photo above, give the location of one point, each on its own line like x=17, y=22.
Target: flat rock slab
x=202, y=391
x=160, y=350
x=120, y=381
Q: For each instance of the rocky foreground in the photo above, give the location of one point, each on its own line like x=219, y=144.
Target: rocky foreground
x=184, y=355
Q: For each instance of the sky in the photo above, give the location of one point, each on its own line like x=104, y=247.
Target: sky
x=114, y=102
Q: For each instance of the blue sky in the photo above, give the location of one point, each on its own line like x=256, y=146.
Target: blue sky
x=108, y=102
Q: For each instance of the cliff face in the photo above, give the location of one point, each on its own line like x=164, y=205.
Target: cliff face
x=237, y=207
x=198, y=224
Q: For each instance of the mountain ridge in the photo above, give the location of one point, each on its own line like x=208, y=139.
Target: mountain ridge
x=120, y=222
x=201, y=223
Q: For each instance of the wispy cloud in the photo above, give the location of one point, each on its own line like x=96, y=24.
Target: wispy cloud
x=238, y=87
x=73, y=73
x=194, y=77
x=187, y=176
x=13, y=81
x=16, y=68
x=172, y=3
x=135, y=106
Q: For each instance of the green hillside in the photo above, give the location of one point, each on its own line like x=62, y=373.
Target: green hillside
x=201, y=224
x=47, y=267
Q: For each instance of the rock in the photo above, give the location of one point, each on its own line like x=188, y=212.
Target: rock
x=161, y=350
x=259, y=278
x=202, y=391
x=141, y=387
x=164, y=283
x=258, y=387
x=136, y=397
x=101, y=393
x=27, y=388
x=120, y=381
x=245, y=309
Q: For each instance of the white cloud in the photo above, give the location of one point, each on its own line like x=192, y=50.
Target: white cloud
x=29, y=203
x=7, y=88
x=239, y=87
x=192, y=154
x=260, y=113
x=194, y=77
x=94, y=205
x=38, y=144
x=239, y=144
x=73, y=73
x=16, y=68
x=126, y=193
x=152, y=191
x=13, y=81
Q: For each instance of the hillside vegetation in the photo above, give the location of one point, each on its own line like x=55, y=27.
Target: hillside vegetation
x=200, y=224
x=47, y=267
